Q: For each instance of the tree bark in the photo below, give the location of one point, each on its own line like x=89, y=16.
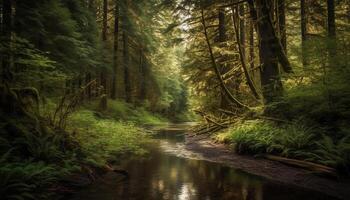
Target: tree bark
x=268, y=51
x=331, y=30
x=242, y=34
x=303, y=15
x=281, y=10
x=126, y=67
x=224, y=102
x=264, y=8
x=104, y=20
x=103, y=75
x=331, y=18
x=6, y=33
x=115, y=49
x=126, y=63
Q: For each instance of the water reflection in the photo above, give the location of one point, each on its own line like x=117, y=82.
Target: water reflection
x=169, y=174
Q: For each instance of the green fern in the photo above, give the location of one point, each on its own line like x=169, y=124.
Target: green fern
x=336, y=154
x=25, y=180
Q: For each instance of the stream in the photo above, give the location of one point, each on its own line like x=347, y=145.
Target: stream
x=171, y=172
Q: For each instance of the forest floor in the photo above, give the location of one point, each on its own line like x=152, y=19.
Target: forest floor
x=273, y=170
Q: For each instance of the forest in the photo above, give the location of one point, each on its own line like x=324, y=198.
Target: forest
x=174, y=99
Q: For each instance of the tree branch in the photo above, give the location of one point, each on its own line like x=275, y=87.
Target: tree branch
x=217, y=71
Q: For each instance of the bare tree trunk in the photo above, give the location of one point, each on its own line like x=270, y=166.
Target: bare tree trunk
x=126, y=56
x=224, y=102
x=242, y=27
x=303, y=15
x=115, y=48
x=331, y=29
x=281, y=12
x=332, y=47
x=269, y=72
x=331, y=18
x=104, y=20
x=103, y=75
x=126, y=67
x=264, y=8
x=6, y=33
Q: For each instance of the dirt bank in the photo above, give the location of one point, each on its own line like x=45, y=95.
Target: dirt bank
x=268, y=169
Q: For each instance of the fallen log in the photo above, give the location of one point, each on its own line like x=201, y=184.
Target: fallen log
x=318, y=168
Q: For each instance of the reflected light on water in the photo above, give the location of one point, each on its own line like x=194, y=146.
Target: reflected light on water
x=173, y=173
x=186, y=192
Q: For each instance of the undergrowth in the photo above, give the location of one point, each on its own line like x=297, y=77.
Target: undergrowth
x=122, y=111
x=36, y=158
x=316, y=102
x=291, y=140
x=101, y=138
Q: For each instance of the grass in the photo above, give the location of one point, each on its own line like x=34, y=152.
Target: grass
x=122, y=111
x=104, y=139
x=292, y=140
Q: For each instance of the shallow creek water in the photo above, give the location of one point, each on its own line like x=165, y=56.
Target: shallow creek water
x=170, y=172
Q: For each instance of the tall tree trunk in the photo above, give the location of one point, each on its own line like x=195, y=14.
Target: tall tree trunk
x=240, y=38
x=263, y=7
x=251, y=45
x=103, y=75
x=269, y=72
x=126, y=67
x=331, y=29
x=303, y=15
x=115, y=48
x=224, y=102
x=331, y=18
x=6, y=33
x=1, y=12
x=281, y=12
x=332, y=47
x=142, y=64
x=127, y=81
x=242, y=27
x=104, y=20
